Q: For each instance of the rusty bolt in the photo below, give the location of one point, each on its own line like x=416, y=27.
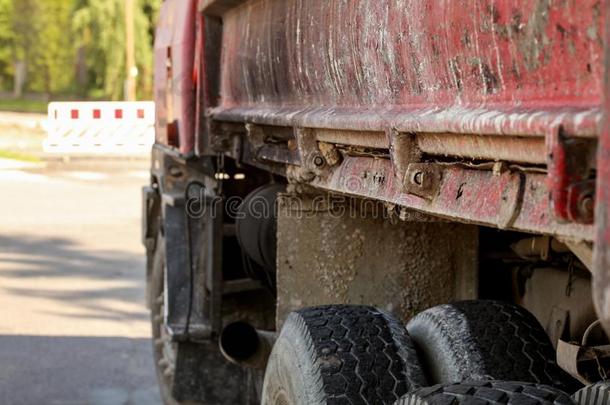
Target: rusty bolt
x=329, y=152
x=422, y=179
x=418, y=178
x=319, y=161
x=586, y=205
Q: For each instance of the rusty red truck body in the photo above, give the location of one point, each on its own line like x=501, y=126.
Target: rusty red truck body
x=411, y=155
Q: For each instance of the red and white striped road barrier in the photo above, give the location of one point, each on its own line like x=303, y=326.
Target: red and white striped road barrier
x=100, y=128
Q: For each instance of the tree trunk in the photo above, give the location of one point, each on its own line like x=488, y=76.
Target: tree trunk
x=20, y=78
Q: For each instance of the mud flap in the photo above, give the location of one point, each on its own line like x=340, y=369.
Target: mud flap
x=193, y=245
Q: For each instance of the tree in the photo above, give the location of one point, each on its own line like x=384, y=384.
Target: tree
x=7, y=38
x=146, y=20
x=73, y=46
x=53, y=53
x=25, y=31
x=100, y=29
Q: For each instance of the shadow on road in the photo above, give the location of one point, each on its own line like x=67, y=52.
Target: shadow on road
x=100, y=276
x=76, y=370
x=74, y=328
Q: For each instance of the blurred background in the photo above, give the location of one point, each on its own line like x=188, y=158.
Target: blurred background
x=73, y=49
x=73, y=325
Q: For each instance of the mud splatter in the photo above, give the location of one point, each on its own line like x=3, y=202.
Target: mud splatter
x=533, y=42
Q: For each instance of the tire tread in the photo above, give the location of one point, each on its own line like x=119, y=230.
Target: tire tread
x=487, y=393
x=362, y=354
x=502, y=342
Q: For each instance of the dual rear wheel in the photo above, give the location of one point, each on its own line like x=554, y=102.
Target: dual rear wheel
x=460, y=353
x=463, y=353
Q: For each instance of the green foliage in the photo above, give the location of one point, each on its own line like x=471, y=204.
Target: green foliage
x=51, y=66
x=146, y=17
x=23, y=105
x=100, y=32
x=7, y=38
x=74, y=46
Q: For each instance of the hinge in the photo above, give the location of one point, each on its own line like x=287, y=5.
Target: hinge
x=571, y=192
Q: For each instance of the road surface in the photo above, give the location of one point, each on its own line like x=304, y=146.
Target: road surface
x=73, y=326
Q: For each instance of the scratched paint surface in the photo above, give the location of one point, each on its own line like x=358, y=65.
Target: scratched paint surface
x=352, y=53
x=475, y=196
x=173, y=59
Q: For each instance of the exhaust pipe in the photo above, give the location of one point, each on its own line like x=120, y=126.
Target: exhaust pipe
x=244, y=345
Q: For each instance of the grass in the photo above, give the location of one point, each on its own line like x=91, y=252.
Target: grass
x=23, y=105
x=24, y=157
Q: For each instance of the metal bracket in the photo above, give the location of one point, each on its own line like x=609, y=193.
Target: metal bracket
x=311, y=157
x=571, y=194
x=403, y=150
x=423, y=180
x=269, y=151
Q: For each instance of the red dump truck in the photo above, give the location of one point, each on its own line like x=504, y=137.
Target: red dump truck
x=381, y=201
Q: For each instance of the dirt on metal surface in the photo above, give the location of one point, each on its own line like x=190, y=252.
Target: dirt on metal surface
x=410, y=53
x=484, y=67
x=506, y=200
x=335, y=257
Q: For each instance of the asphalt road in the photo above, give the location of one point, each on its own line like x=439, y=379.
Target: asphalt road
x=73, y=326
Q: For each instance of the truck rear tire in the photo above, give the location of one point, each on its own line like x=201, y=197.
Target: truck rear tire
x=486, y=340
x=487, y=393
x=164, y=351
x=341, y=354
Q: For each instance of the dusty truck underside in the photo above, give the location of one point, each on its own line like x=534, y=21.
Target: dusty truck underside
x=325, y=170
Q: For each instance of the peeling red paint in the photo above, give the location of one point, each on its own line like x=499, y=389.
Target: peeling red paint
x=174, y=82
x=511, y=200
x=509, y=121
x=407, y=53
